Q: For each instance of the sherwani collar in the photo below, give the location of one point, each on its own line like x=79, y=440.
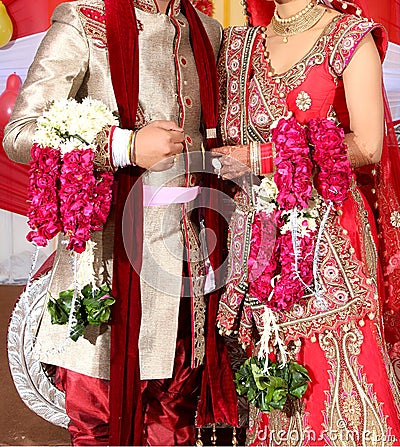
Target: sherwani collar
x=151, y=6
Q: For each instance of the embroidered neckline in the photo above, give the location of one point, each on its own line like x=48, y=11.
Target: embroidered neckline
x=325, y=32
x=151, y=6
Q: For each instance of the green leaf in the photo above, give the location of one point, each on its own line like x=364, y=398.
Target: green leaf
x=60, y=308
x=92, y=307
x=296, y=367
x=299, y=391
x=58, y=313
x=270, y=390
x=78, y=330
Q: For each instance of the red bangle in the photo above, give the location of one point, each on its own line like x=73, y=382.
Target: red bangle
x=267, y=158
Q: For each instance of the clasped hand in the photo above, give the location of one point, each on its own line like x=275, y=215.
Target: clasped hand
x=235, y=161
x=157, y=145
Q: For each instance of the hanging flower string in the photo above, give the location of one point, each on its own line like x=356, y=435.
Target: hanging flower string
x=102, y=196
x=44, y=213
x=293, y=178
x=293, y=165
x=85, y=200
x=65, y=192
x=273, y=278
x=68, y=194
x=330, y=154
x=332, y=179
x=283, y=258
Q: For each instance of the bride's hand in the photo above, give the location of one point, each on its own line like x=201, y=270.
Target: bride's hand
x=235, y=161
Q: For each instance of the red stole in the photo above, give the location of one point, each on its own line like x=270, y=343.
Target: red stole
x=218, y=393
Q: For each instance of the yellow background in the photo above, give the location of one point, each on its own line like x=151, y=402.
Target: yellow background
x=229, y=12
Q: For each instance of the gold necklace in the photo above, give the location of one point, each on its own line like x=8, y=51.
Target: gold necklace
x=302, y=21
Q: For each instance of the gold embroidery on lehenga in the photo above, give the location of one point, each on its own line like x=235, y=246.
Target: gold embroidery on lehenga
x=344, y=41
x=303, y=101
x=353, y=415
x=395, y=219
x=351, y=405
x=370, y=251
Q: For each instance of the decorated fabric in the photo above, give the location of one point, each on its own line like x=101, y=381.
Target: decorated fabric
x=332, y=338
x=216, y=402
x=84, y=70
x=247, y=114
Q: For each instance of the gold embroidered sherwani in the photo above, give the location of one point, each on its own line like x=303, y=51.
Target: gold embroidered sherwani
x=72, y=62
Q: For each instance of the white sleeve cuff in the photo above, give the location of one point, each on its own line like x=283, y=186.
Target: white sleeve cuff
x=120, y=144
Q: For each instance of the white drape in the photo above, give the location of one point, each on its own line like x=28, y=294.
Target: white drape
x=391, y=76
x=17, y=56
x=16, y=252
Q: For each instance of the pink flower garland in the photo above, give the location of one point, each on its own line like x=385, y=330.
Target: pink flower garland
x=65, y=195
x=102, y=197
x=77, y=183
x=44, y=213
x=263, y=256
x=330, y=154
x=293, y=165
x=293, y=178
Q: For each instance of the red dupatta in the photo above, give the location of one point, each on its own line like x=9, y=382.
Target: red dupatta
x=218, y=402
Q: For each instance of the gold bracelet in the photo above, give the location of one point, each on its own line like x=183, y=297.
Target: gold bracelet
x=132, y=153
x=257, y=154
x=251, y=156
x=130, y=144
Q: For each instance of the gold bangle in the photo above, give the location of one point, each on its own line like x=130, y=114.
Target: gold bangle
x=258, y=156
x=132, y=153
x=129, y=145
x=251, y=156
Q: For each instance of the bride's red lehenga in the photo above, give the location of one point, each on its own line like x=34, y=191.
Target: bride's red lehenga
x=353, y=396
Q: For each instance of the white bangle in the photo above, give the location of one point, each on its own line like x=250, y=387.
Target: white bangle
x=120, y=140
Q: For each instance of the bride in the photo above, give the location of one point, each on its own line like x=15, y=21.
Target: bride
x=302, y=122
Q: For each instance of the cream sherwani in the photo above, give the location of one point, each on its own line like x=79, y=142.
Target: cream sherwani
x=72, y=62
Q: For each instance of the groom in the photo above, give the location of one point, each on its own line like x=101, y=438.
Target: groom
x=153, y=62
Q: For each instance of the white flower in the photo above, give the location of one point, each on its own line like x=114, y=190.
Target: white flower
x=306, y=222
x=268, y=188
x=68, y=124
x=266, y=194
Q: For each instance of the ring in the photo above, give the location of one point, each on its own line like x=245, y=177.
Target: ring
x=217, y=165
x=175, y=159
